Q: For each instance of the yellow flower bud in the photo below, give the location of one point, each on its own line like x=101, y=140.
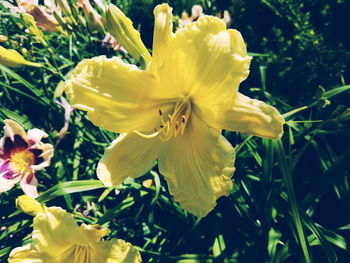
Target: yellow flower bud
x=29, y=22
x=29, y=205
x=122, y=30
x=63, y=4
x=3, y=38
x=11, y=58
x=94, y=18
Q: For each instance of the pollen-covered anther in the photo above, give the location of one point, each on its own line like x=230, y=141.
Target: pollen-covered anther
x=175, y=123
x=21, y=161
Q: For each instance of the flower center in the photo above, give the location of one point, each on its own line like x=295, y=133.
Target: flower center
x=173, y=124
x=77, y=254
x=21, y=161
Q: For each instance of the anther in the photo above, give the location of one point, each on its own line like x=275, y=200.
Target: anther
x=161, y=126
x=183, y=118
x=176, y=125
x=160, y=112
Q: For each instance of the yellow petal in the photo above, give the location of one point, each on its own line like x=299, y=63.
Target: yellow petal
x=11, y=58
x=198, y=166
x=253, y=117
x=213, y=62
x=27, y=254
x=117, y=96
x=117, y=251
x=163, y=33
x=94, y=233
x=128, y=156
x=55, y=230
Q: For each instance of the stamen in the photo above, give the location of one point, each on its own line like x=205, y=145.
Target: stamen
x=147, y=136
x=174, y=124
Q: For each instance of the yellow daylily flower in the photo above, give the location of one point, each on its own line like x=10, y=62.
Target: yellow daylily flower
x=58, y=239
x=188, y=94
x=11, y=58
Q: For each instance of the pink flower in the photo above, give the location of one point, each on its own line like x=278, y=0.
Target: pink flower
x=21, y=154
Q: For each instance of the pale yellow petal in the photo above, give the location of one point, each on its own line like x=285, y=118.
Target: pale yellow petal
x=93, y=233
x=27, y=254
x=12, y=128
x=130, y=155
x=117, y=251
x=198, y=166
x=35, y=135
x=213, y=62
x=55, y=230
x=7, y=184
x=162, y=35
x=117, y=96
x=29, y=185
x=253, y=117
x=46, y=155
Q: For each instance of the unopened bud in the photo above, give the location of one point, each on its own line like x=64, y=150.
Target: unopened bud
x=63, y=4
x=122, y=30
x=30, y=24
x=3, y=38
x=29, y=205
x=11, y=58
x=94, y=18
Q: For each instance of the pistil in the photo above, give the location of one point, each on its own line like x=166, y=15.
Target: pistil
x=174, y=124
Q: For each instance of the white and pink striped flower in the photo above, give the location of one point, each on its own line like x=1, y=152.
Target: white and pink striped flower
x=21, y=154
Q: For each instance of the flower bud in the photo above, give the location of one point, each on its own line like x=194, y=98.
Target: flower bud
x=3, y=38
x=29, y=22
x=29, y=205
x=122, y=30
x=11, y=58
x=63, y=4
x=94, y=18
